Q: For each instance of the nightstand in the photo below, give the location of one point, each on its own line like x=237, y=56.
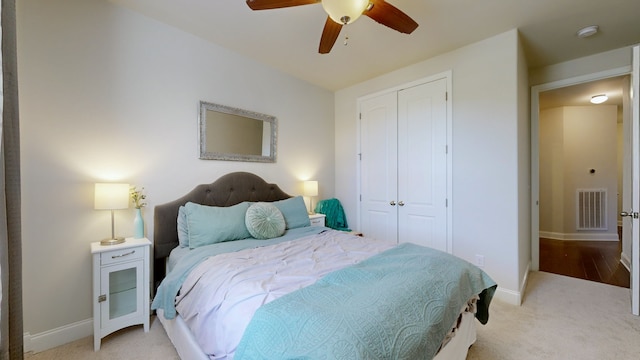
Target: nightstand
x=120, y=287
x=317, y=219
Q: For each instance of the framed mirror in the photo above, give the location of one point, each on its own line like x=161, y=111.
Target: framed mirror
x=233, y=134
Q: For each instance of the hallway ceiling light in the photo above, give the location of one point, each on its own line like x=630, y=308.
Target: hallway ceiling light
x=599, y=99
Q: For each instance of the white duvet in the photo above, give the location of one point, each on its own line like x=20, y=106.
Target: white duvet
x=219, y=297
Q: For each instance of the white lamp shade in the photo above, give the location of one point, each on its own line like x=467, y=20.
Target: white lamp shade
x=310, y=188
x=109, y=196
x=341, y=10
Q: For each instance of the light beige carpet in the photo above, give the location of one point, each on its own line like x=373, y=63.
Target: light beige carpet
x=131, y=343
x=560, y=318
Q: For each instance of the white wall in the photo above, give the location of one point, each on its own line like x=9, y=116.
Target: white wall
x=574, y=139
x=524, y=168
x=552, y=171
x=590, y=143
x=486, y=150
x=109, y=95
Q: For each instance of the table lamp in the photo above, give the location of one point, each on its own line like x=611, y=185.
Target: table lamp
x=310, y=190
x=110, y=196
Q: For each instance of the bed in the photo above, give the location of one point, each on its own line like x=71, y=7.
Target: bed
x=281, y=289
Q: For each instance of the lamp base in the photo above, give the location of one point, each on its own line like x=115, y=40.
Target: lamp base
x=114, y=241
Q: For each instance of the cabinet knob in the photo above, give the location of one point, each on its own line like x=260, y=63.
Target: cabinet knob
x=400, y=203
x=392, y=203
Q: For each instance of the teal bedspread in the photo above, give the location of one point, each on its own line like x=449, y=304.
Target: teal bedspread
x=399, y=304
x=168, y=289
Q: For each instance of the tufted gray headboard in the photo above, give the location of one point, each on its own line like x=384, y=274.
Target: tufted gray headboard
x=228, y=190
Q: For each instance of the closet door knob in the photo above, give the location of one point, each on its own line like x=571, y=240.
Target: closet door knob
x=400, y=203
x=392, y=203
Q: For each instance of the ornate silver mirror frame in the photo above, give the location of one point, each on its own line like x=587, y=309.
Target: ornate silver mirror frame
x=228, y=133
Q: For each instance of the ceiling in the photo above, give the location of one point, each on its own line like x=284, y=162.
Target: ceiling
x=287, y=39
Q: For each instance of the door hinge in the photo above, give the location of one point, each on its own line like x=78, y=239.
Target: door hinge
x=102, y=298
x=360, y=116
x=446, y=96
x=360, y=156
x=360, y=197
x=446, y=202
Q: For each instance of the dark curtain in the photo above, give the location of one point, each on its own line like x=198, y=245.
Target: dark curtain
x=11, y=336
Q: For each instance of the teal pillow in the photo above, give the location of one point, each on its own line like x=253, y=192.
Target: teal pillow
x=264, y=221
x=211, y=224
x=183, y=230
x=294, y=211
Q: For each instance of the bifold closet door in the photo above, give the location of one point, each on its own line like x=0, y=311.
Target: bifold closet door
x=403, y=165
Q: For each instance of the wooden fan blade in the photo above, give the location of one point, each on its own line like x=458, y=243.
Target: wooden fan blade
x=276, y=4
x=329, y=35
x=389, y=15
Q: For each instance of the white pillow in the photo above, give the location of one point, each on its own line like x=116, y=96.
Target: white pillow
x=264, y=221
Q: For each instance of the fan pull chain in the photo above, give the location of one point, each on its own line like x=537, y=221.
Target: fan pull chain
x=345, y=22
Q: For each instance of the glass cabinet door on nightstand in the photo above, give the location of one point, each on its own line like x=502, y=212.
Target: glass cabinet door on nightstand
x=121, y=295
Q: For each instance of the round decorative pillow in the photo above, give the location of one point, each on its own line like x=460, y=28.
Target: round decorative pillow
x=264, y=221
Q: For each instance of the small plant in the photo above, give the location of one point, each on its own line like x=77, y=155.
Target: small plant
x=137, y=197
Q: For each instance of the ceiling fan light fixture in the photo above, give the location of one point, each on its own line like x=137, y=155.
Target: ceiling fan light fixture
x=599, y=99
x=344, y=11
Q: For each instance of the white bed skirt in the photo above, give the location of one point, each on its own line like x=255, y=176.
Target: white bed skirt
x=188, y=348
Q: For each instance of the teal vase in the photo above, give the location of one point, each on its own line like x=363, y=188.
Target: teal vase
x=138, y=225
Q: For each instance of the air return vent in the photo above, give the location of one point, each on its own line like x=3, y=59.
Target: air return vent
x=591, y=209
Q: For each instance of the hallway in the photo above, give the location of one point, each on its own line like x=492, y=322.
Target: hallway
x=590, y=260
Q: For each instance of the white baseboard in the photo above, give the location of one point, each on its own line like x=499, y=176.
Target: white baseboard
x=579, y=236
x=514, y=297
x=626, y=261
x=525, y=280
x=509, y=296
x=58, y=336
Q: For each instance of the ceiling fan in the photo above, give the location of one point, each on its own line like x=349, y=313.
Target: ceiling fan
x=343, y=12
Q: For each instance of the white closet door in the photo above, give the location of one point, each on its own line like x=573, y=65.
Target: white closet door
x=378, y=171
x=422, y=165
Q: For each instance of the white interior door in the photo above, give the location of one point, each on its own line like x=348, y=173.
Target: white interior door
x=422, y=165
x=378, y=167
x=635, y=159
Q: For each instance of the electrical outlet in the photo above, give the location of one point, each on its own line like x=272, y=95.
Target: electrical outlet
x=480, y=260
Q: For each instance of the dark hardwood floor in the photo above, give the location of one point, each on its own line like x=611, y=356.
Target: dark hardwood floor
x=590, y=260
